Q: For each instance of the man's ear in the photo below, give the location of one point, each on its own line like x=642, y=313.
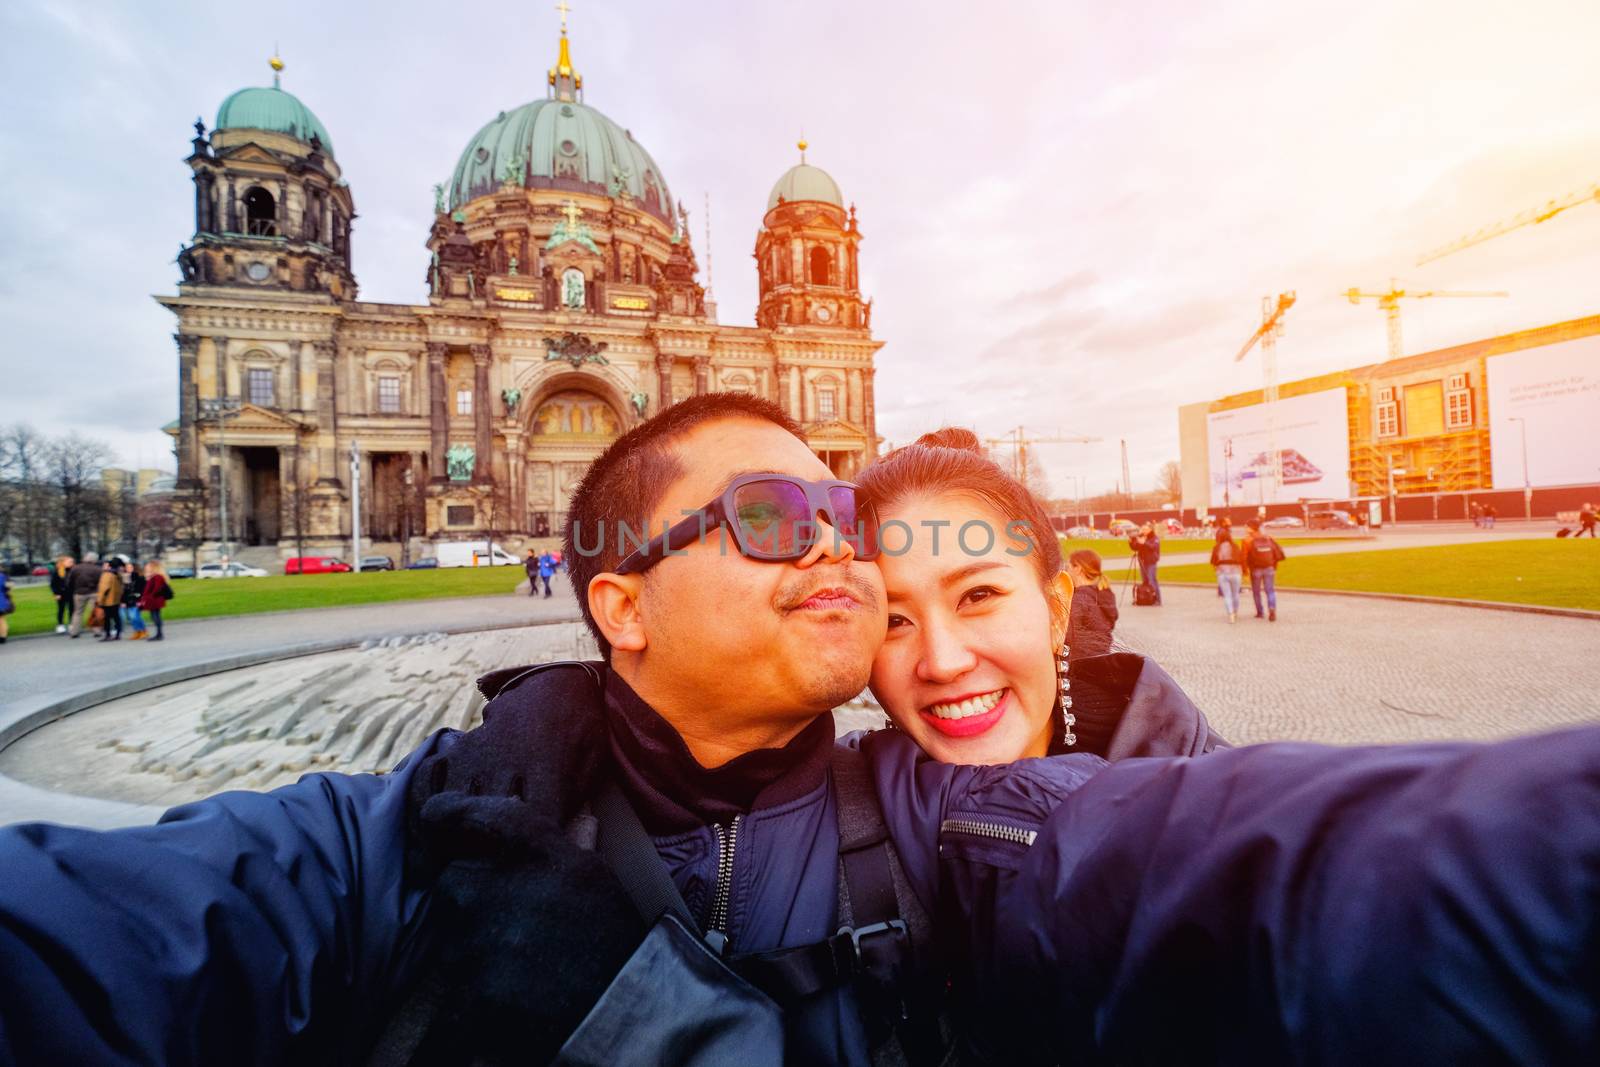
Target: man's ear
x=614, y=603
x=1060, y=598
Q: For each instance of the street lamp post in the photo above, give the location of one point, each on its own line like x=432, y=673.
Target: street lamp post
x=221, y=409
x=405, y=526
x=1527, y=484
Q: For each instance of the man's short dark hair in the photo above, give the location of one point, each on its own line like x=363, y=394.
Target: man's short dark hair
x=623, y=486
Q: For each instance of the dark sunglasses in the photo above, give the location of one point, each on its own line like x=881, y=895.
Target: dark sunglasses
x=773, y=517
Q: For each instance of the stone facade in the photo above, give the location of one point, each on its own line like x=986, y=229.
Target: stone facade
x=561, y=312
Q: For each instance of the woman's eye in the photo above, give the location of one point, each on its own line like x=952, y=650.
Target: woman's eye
x=979, y=594
x=897, y=620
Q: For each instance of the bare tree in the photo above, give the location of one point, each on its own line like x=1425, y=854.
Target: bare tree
x=498, y=499
x=83, y=507
x=1033, y=474
x=191, y=515
x=1169, y=482
x=25, y=495
x=157, y=522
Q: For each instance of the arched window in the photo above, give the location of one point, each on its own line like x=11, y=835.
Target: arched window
x=260, y=212
x=821, y=268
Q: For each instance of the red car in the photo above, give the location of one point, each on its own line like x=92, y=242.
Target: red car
x=315, y=565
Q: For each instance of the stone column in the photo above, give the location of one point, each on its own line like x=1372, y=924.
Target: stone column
x=294, y=398
x=327, y=418
x=482, y=411
x=516, y=473
x=188, y=411
x=663, y=381
x=785, y=395
x=702, y=375
x=438, y=415
x=852, y=395
x=219, y=349
x=869, y=415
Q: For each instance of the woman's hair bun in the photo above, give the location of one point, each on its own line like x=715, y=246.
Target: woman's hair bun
x=956, y=437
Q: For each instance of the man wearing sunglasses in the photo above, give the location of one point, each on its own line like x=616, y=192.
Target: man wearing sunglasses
x=645, y=860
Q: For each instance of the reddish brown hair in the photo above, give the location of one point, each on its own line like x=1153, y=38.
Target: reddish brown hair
x=952, y=461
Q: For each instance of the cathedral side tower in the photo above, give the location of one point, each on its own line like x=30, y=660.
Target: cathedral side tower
x=806, y=254
x=271, y=210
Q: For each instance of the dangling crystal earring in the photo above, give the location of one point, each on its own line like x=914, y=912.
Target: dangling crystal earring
x=1068, y=719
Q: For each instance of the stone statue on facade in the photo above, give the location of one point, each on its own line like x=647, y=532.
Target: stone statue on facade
x=572, y=288
x=640, y=401
x=438, y=198
x=459, y=461
x=575, y=349
x=511, y=398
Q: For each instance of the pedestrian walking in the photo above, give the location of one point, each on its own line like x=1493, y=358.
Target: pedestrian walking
x=132, y=591
x=83, y=583
x=1146, y=545
x=531, y=565
x=547, y=568
x=1477, y=514
x=108, y=594
x=1490, y=513
x=157, y=592
x=1587, y=518
x=7, y=606
x=59, y=590
x=1262, y=555
x=1093, y=612
x=1228, y=561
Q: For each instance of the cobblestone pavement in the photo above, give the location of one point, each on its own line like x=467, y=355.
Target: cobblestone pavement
x=1351, y=670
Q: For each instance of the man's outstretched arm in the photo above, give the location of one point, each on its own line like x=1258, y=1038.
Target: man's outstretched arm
x=246, y=928
x=1292, y=903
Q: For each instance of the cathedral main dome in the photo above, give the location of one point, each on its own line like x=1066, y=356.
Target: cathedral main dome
x=560, y=144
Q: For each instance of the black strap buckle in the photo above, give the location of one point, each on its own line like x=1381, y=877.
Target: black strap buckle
x=892, y=926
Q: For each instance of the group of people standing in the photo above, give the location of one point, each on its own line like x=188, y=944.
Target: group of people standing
x=1257, y=556
x=112, y=597
x=1483, y=515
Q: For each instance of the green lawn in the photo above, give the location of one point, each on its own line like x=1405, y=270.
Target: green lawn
x=1563, y=574
x=196, y=599
x=1117, y=548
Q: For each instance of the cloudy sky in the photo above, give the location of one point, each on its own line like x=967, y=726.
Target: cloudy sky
x=1072, y=209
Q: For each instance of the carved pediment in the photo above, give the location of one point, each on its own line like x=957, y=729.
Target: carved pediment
x=834, y=430
x=253, y=419
x=250, y=153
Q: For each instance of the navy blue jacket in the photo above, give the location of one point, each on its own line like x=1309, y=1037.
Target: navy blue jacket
x=1282, y=903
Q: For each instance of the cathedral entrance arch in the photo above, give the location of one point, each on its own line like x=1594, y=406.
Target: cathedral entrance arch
x=569, y=425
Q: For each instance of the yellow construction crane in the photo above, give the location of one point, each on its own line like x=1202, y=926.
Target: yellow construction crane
x=1531, y=217
x=1018, y=440
x=1267, y=333
x=1389, y=303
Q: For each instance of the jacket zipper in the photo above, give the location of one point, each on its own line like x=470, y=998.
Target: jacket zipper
x=727, y=842
x=997, y=831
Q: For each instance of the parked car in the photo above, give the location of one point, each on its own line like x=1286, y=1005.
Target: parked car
x=426, y=563
x=180, y=572
x=1122, y=528
x=1333, y=519
x=1284, y=522
x=315, y=565
x=474, y=554
x=229, y=570
x=1082, y=532
x=376, y=563
x=41, y=571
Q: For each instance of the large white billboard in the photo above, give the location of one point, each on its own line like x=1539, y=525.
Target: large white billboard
x=1312, y=434
x=1556, y=388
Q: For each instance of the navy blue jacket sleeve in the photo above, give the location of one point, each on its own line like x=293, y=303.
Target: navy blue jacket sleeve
x=1301, y=904
x=246, y=928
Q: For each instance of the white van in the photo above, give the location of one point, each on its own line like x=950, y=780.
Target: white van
x=473, y=554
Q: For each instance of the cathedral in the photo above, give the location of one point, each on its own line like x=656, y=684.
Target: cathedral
x=562, y=309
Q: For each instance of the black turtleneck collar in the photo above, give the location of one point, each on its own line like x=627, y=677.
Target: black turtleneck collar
x=673, y=793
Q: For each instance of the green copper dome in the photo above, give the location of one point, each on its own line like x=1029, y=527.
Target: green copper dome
x=805, y=182
x=560, y=144
x=272, y=109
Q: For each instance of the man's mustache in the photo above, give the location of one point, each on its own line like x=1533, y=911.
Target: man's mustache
x=844, y=577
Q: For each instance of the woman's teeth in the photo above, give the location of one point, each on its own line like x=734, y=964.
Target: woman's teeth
x=971, y=706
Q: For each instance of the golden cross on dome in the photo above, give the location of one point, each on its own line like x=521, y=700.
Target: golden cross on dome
x=572, y=213
x=563, y=7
